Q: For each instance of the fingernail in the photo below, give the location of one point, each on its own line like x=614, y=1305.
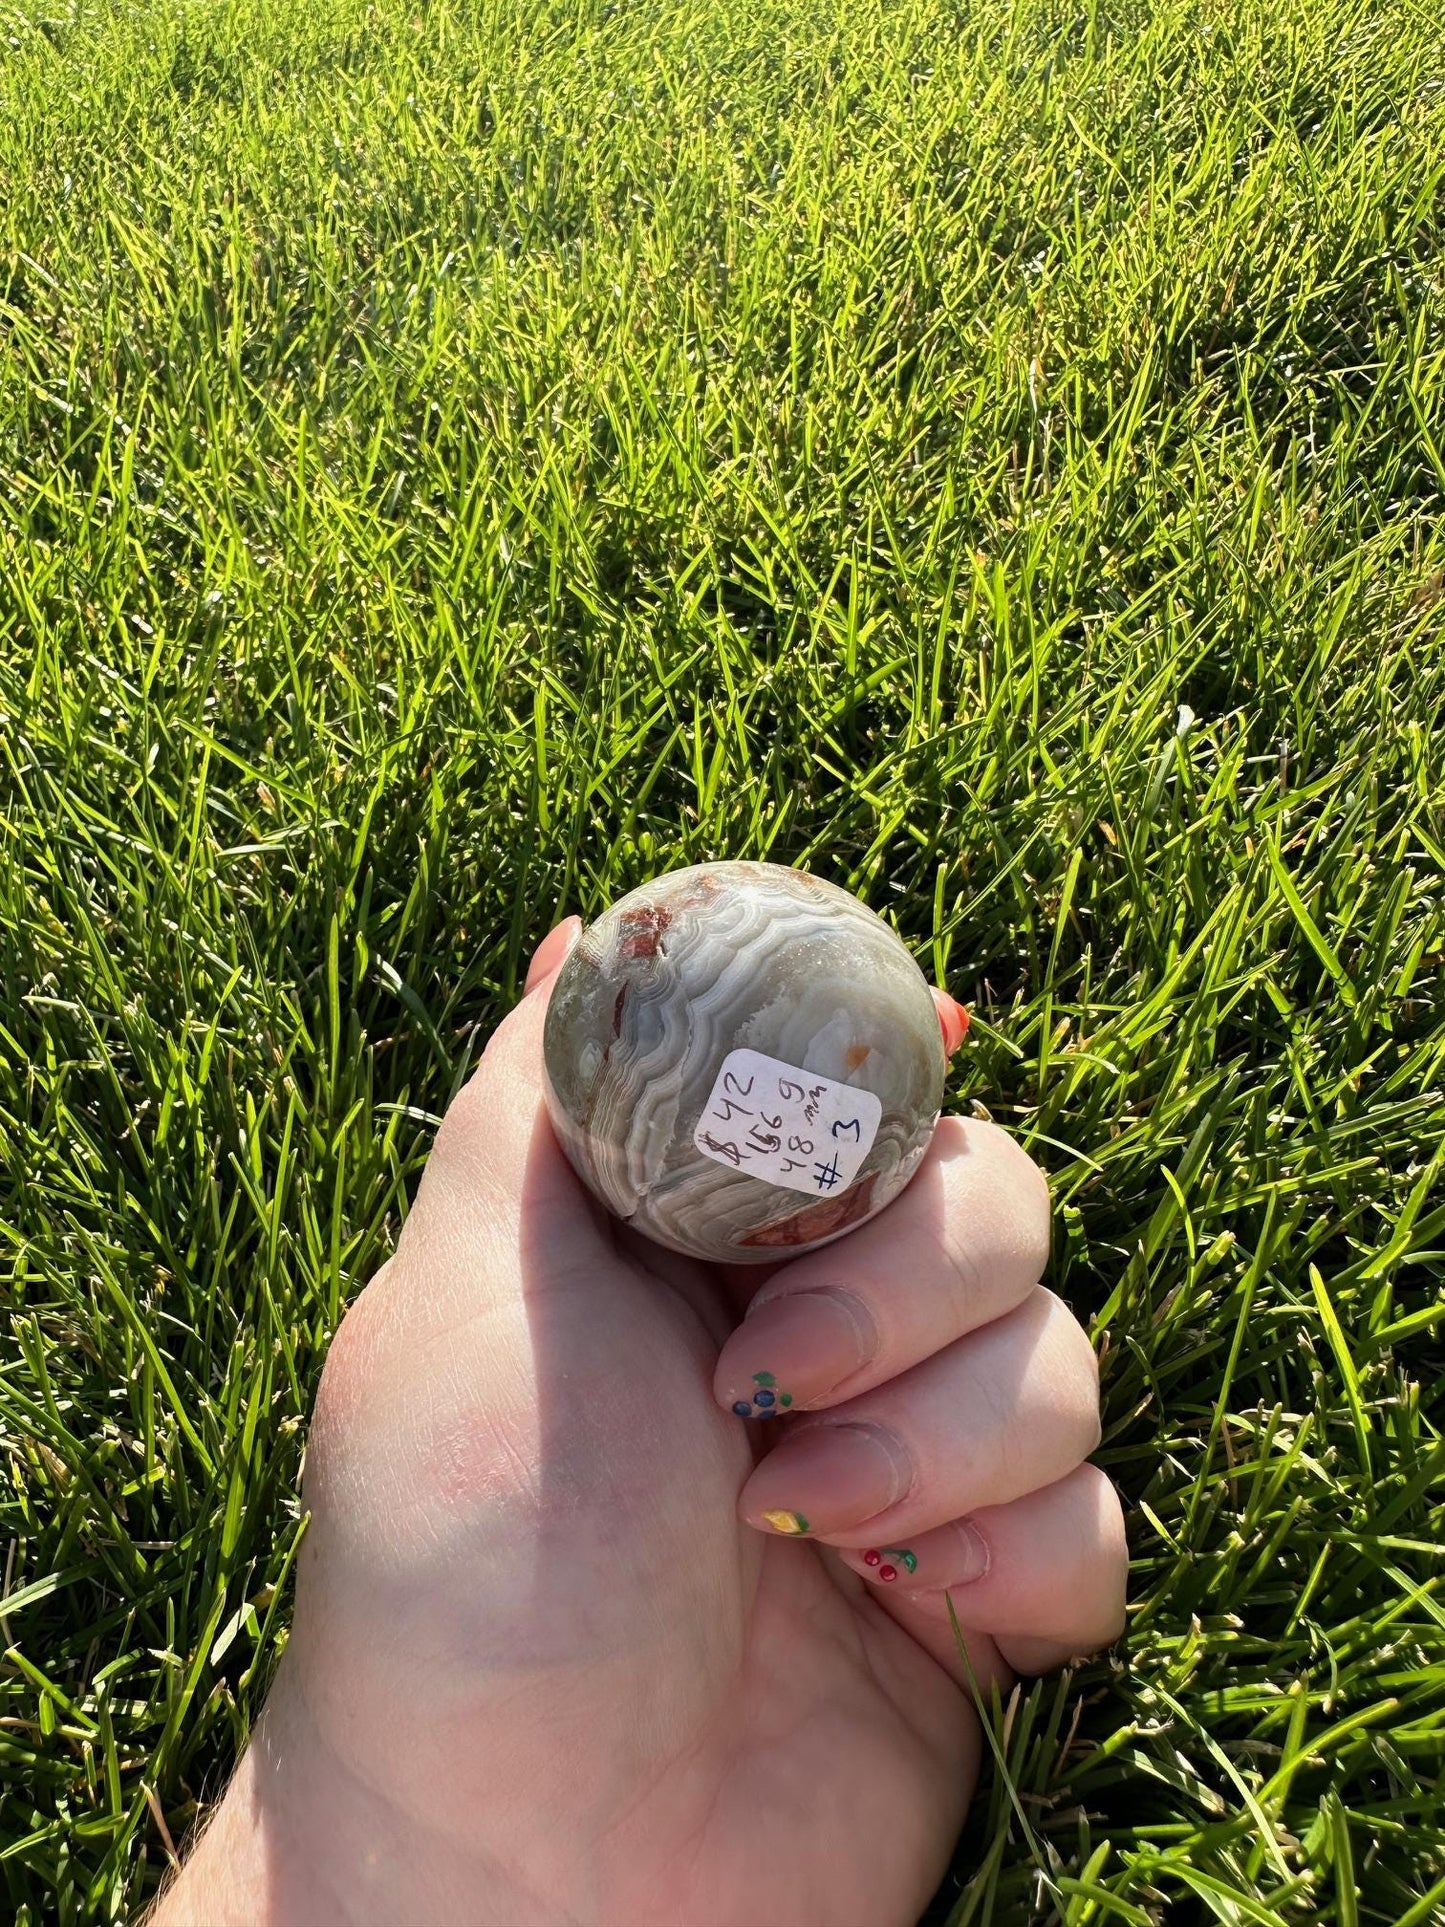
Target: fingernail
x=888, y=1564
x=952, y=1021
x=792, y=1350
x=791, y=1523
x=955, y=1555
x=830, y=1476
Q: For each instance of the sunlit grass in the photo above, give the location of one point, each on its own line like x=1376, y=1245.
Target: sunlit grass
x=458, y=460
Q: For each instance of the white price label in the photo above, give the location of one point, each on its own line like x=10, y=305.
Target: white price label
x=787, y=1126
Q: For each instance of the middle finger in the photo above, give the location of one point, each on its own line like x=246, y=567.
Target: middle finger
x=995, y=1415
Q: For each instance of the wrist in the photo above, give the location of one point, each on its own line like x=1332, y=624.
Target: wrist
x=299, y=1841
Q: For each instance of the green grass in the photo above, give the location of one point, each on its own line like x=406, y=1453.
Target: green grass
x=457, y=460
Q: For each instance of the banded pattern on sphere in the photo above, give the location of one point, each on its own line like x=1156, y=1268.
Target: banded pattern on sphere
x=712, y=1158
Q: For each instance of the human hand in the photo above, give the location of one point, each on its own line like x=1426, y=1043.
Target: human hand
x=548, y=1666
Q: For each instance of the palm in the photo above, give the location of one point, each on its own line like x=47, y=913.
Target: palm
x=823, y=1757
x=564, y=1531
x=856, y=1762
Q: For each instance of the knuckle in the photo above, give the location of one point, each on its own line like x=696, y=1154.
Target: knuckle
x=1036, y=1209
x=1025, y=1185
x=1090, y=1416
x=1076, y=1372
x=1113, y=1529
x=345, y=1376
x=1032, y=1177
x=967, y=1282
x=1069, y=1333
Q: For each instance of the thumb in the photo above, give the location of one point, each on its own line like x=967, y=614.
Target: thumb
x=552, y=952
x=495, y=1153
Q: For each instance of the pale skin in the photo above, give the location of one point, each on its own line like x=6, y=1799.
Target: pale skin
x=560, y=1653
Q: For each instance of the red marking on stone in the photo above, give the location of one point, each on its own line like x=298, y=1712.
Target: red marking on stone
x=871, y=1558
x=617, y=1011
x=855, y=1054
x=642, y=931
x=703, y=889
x=888, y=1572
x=816, y=1220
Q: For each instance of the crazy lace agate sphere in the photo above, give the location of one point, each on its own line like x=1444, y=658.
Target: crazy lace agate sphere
x=743, y=1061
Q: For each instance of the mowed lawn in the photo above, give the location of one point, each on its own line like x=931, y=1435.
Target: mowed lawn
x=459, y=459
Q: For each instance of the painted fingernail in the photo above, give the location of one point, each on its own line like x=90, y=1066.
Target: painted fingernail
x=792, y=1350
x=954, y=1555
x=765, y=1399
x=952, y=1021
x=792, y=1523
x=888, y=1564
x=835, y=1475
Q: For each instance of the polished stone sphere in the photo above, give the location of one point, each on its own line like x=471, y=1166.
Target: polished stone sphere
x=743, y=1061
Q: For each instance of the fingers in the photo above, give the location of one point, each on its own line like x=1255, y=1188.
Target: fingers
x=992, y=1417
x=964, y=1244
x=1044, y=1575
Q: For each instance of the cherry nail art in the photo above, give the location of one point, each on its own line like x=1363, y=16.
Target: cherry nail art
x=887, y=1563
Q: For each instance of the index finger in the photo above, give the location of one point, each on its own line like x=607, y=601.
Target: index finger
x=965, y=1243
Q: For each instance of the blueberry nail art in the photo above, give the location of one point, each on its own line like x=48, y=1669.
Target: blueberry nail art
x=766, y=1402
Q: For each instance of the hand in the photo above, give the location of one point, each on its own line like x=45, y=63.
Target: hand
x=575, y=1643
